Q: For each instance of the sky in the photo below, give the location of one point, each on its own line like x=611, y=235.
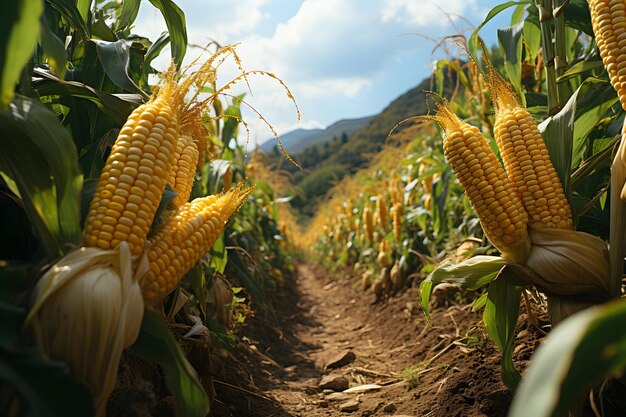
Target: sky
x=340, y=58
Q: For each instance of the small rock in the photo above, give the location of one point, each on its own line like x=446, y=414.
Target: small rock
x=322, y=403
x=349, y=406
x=389, y=408
x=327, y=391
x=334, y=382
x=338, y=396
x=341, y=359
x=291, y=369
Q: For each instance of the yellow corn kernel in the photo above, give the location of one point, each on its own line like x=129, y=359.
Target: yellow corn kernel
x=186, y=236
x=608, y=19
x=480, y=173
x=183, y=170
x=527, y=160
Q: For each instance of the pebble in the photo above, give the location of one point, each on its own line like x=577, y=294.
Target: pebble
x=333, y=382
x=338, y=396
x=341, y=359
x=389, y=408
x=349, y=406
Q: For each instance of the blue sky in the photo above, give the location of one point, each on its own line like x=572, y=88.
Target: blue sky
x=341, y=58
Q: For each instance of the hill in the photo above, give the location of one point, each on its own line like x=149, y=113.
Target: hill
x=324, y=165
x=300, y=139
x=290, y=140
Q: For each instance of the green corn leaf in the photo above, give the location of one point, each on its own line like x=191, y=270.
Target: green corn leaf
x=500, y=316
x=510, y=40
x=40, y=157
x=577, y=354
x=70, y=12
x=115, y=59
x=19, y=24
x=472, y=273
x=473, y=43
x=54, y=49
x=176, y=26
x=157, y=344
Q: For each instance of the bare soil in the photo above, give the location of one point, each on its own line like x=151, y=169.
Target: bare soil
x=446, y=368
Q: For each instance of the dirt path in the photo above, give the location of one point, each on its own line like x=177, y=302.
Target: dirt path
x=329, y=336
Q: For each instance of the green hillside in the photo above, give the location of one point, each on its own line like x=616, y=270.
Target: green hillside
x=325, y=165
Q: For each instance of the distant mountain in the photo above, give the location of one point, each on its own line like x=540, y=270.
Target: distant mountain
x=290, y=139
x=300, y=139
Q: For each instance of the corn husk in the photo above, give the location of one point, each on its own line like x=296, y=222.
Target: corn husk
x=569, y=263
x=87, y=309
x=617, y=235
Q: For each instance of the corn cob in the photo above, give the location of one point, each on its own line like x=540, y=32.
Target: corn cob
x=383, y=253
x=527, y=160
x=187, y=236
x=396, y=215
x=227, y=180
x=368, y=223
x=134, y=177
x=500, y=211
x=608, y=19
x=381, y=211
x=183, y=170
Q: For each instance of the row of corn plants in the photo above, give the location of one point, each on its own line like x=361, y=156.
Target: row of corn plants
x=133, y=225
x=528, y=188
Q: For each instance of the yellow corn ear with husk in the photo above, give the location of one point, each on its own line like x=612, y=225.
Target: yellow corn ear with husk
x=527, y=161
x=368, y=223
x=227, y=180
x=499, y=210
x=608, y=19
x=87, y=309
x=183, y=171
x=383, y=254
x=382, y=211
x=396, y=216
x=186, y=236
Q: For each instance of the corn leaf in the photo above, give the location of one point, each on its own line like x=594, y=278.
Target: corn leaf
x=117, y=106
x=577, y=354
x=510, y=40
x=500, y=316
x=115, y=59
x=127, y=14
x=19, y=21
x=153, y=51
x=472, y=273
x=39, y=155
x=157, y=344
x=176, y=26
x=532, y=39
x=579, y=68
x=54, y=50
x=46, y=387
x=566, y=132
x=68, y=10
x=473, y=43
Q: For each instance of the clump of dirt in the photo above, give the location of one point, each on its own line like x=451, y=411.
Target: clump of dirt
x=326, y=335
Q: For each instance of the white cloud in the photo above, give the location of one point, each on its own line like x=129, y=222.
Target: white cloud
x=328, y=50
x=425, y=13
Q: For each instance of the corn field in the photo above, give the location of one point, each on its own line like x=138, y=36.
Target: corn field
x=140, y=237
